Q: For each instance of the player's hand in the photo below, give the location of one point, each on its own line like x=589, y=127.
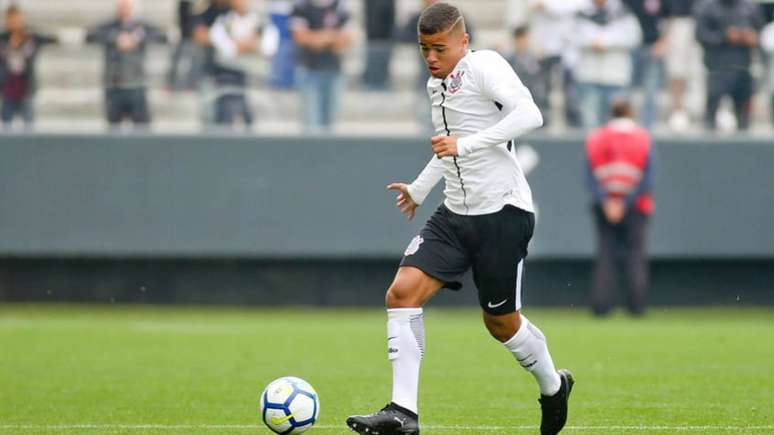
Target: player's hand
x=444, y=146
x=404, y=201
x=615, y=210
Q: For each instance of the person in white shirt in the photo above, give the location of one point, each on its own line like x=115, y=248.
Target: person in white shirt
x=235, y=37
x=606, y=34
x=552, y=24
x=479, y=106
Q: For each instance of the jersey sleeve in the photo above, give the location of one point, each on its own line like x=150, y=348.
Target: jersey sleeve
x=427, y=179
x=497, y=81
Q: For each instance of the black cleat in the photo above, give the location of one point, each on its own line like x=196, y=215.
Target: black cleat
x=555, y=407
x=391, y=420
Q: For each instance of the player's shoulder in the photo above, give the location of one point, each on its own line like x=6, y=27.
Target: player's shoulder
x=486, y=61
x=485, y=57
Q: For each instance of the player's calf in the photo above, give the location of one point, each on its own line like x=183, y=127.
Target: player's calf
x=503, y=327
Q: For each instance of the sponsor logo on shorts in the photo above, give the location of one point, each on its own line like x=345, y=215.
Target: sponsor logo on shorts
x=413, y=247
x=491, y=305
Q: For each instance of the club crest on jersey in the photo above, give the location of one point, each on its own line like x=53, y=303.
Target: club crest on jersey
x=413, y=247
x=455, y=82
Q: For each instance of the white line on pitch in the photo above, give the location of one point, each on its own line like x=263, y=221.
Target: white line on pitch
x=429, y=426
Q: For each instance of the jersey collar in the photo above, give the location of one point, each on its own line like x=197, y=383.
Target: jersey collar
x=436, y=82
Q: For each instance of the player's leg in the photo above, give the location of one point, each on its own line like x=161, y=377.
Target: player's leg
x=498, y=272
x=410, y=289
x=434, y=259
x=406, y=331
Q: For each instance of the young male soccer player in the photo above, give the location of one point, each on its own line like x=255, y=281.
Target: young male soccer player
x=479, y=106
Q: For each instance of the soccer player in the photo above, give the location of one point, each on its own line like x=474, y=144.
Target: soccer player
x=479, y=106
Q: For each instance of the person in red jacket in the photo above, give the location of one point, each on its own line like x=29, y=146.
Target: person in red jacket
x=619, y=158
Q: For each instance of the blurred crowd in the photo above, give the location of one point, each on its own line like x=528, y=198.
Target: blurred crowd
x=576, y=56
x=598, y=50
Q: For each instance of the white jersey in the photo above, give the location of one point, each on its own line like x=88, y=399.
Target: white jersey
x=483, y=103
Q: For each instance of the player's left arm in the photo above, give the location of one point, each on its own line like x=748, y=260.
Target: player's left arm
x=498, y=81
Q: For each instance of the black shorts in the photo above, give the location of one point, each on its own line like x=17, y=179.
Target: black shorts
x=494, y=245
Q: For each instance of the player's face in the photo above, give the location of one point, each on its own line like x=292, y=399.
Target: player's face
x=443, y=50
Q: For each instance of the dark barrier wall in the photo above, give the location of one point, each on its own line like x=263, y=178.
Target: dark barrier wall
x=261, y=198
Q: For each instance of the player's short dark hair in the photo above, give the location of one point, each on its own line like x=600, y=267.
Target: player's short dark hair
x=439, y=17
x=621, y=107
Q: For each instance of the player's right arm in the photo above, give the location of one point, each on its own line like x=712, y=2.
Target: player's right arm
x=412, y=195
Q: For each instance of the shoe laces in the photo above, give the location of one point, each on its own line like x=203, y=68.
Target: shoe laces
x=384, y=410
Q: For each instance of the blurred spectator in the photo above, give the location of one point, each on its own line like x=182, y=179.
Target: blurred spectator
x=620, y=176
x=234, y=37
x=728, y=31
x=186, y=66
x=18, y=52
x=606, y=34
x=322, y=31
x=682, y=54
x=648, y=66
x=125, y=40
x=203, y=20
x=552, y=23
x=283, y=63
x=767, y=43
x=380, y=26
x=527, y=66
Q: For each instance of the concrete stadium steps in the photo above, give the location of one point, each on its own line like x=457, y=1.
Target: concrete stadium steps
x=76, y=66
x=88, y=103
x=70, y=95
x=53, y=14
x=268, y=127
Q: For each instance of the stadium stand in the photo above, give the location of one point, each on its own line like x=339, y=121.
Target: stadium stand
x=70, y=97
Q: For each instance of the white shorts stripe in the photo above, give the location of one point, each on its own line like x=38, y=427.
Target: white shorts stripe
x=519, y=272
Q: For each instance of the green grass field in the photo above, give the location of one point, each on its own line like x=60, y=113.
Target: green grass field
x=77, y=369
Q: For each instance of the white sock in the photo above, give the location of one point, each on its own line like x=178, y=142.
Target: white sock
x=531, y=351
x=405, y=347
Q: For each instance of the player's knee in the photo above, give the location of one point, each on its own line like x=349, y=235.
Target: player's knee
x=399, y=295
x=502, y=328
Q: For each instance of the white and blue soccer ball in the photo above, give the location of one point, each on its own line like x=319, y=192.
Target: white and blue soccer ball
x=289, y=405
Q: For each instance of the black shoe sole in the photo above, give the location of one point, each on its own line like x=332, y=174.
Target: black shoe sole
x=363, y=430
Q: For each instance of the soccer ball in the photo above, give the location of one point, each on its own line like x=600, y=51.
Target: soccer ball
x=289, y=405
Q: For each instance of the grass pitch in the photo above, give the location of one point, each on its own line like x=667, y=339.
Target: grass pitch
x=96, y=369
